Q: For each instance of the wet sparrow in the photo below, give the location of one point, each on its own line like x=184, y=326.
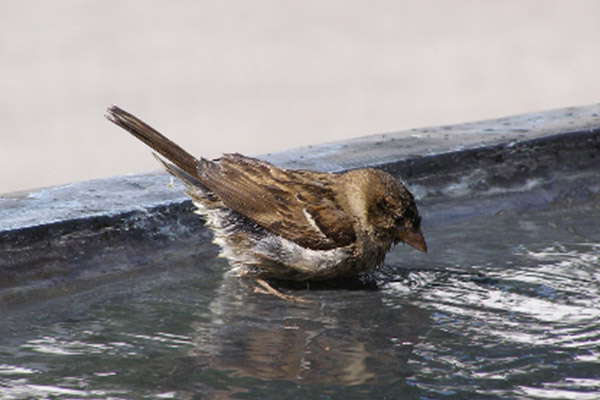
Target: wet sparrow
x=274, y=223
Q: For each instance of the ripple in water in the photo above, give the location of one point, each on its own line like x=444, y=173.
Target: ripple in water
x=528, y=330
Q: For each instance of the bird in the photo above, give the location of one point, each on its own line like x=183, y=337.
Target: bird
x=286, y=224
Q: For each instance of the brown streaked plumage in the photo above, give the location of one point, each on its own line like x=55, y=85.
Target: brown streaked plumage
x=290, y=224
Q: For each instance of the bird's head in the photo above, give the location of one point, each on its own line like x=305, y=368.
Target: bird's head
x=392, y=210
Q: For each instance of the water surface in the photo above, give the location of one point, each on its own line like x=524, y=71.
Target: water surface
x=503, y=307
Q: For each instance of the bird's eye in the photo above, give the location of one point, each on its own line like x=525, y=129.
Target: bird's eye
x=382, y=205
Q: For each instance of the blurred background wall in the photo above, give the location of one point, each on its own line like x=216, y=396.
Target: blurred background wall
x=259, y=76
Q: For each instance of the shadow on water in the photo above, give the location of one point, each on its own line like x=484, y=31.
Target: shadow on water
x=506, y=307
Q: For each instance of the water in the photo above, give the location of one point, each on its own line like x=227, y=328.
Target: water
x=503, y=307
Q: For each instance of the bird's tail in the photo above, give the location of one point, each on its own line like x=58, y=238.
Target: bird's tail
x=154, y=139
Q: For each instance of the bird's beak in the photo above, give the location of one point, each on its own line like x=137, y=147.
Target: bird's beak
x=416, y=240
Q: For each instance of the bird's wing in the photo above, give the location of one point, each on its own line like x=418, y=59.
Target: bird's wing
x=297, y=205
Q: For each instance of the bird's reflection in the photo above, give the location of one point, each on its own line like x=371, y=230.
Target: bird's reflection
x=346, y=337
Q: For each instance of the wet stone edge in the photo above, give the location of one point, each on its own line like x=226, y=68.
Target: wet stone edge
x=61, y=231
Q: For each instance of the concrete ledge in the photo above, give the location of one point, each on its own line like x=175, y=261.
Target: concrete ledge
x=67, y=231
